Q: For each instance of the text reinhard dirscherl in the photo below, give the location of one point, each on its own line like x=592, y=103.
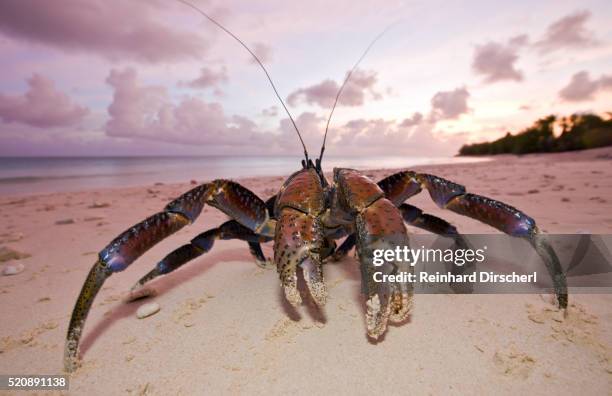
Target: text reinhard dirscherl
x=457, y=257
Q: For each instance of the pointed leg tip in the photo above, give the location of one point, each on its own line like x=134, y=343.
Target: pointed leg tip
x=71, y=361
x=562, y=299
x=71, y=365
x=313, y=276
x=292, y=295
x=264, y=264
x=377, y=316
x=320, y=299
x=376, y=330
x=318, y=292
x=140, y=292
x=401, y=305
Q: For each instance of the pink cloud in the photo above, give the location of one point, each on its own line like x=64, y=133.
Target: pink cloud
x=414, y=120
x=368, y=133
x=366, y=136
x=496, y=61
x=271, y=111
x=321, y=94
x=424, y=141
x=311, y=128
x=263, y=52
x=378, y=136
x=147, y=112
x=324, y=93
x=569, y=31
x=113, y=29
x=208, y=78
x=449, y=105
x=415, y=135
x=42, y=106
x=582, y=87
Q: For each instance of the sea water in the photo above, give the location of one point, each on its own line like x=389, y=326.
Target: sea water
x=34, y=175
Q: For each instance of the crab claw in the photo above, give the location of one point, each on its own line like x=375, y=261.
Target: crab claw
x=291, y=291
x=313, y=275
x=386, y=300
x=377, y=315
x=401, y=305
x=299, y=242
x=384, y=306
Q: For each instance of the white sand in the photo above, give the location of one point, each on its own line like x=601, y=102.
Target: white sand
x=224, y=325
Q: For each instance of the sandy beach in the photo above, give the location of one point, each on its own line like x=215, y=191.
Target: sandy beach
x=224, y=325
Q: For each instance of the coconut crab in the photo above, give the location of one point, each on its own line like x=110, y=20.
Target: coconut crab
x=303, y=220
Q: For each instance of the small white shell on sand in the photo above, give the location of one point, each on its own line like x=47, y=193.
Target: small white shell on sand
x=147, y=310
x=13, y=269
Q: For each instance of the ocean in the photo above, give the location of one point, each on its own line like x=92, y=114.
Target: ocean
x=34, y=175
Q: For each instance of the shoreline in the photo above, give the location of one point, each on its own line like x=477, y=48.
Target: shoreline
x=31, y=176
x=591, y=154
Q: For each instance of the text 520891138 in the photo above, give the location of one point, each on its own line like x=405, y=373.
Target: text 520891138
x=33, y=382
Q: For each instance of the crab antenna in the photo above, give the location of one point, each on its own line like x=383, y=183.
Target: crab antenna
x=344, y=83
x=197, y=9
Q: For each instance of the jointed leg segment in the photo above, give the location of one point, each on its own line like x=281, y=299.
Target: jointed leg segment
x=453, y=196
x=202, y=244
x=236, y=201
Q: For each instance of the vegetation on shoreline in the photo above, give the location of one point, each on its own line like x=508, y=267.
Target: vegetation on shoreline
x=578, y=132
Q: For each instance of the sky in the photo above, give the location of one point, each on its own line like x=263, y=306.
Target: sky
x=154, y=77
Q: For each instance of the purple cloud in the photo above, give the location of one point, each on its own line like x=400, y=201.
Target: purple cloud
x=263, y=52
x=582, y=88
x=41, y=106
x=208, y=78
x=567, y=32
x=113, y=29
x=449, y=105
x=311, y=128
x=271, y=111
x=373, y=136
x=147, y=112
x=415, y=119
x=324, y=93
x=496, y=61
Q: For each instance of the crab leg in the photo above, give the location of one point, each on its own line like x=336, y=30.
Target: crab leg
x=229, y=197
x=201, y=244
x=415, y=217
x=453, y=196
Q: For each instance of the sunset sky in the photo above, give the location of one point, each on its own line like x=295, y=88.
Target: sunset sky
x=153, y=77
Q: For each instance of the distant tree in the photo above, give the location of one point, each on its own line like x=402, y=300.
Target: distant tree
x=578, y=132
